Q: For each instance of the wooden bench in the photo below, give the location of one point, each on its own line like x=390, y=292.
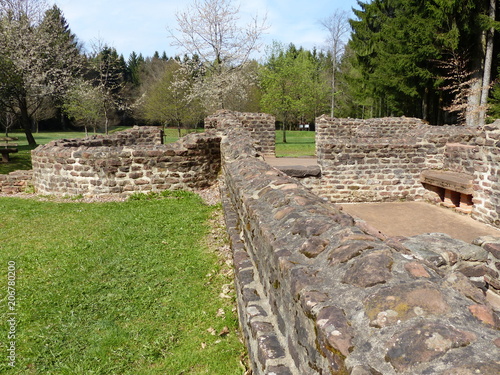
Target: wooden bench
x=6, y=149
x=455, y=189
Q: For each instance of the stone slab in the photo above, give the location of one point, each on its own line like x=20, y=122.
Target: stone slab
x=414, y=218
x=460, y=182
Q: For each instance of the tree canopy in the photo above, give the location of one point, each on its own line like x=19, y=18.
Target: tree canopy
x=436, y=60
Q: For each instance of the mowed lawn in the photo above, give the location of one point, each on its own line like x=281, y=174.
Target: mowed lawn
x=298, y=143
x=116, y=288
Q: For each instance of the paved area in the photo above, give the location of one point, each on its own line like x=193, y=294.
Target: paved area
x=287, y=162
x=412, y=218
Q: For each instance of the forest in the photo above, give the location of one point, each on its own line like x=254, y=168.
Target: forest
x=432, y=59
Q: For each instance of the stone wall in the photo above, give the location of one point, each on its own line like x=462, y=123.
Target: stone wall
x=320, y=294
x=131, y=161
x=16, y=182
x=379, y=159
x=261, y=125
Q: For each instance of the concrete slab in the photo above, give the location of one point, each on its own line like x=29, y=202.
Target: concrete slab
x=413, y=218
x=287, y=162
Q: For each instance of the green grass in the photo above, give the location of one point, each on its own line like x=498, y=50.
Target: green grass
x=172, y=135
x=299, y=143
x=116, y=288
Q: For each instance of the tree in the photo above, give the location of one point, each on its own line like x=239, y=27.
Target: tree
x=107, y=73
x=39, y=58
x=488, y=61
x=290, y=84
x=134, y=66
x=167, y=100
x=7, y=120
x=211, y=31
x=337, y=26
x=84, y=103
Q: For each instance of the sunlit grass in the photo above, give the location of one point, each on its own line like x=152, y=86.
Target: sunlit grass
x=298, y=143
x=116, y=288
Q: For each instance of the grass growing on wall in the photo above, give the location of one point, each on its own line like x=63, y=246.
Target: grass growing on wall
x=115, y=288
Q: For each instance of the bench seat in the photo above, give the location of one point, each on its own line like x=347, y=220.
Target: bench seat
x=454, y=189
x=459, y=182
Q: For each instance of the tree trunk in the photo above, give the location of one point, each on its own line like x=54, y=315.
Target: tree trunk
x=474, y=100
x=487, y=65
x=425, y=105
x=334, y=67
x=26, y=122
x=284, y=127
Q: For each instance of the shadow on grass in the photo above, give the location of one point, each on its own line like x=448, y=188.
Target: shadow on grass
x=19, y=160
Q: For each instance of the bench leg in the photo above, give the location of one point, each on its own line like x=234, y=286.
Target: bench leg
x=451, y=198
x=5, y=157
x=466, y=204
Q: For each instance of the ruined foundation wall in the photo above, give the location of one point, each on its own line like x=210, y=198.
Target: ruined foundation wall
x=127, y=162
x=16, y=182
x=379, y=159
x=319, y=294
x=480, y=158
x=262, y=126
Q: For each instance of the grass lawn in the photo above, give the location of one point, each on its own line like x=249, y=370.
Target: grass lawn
x=115, y=288
x=299, y=143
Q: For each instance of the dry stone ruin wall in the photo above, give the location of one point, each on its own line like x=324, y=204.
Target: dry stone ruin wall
x=262, y=126
x=379, y=159
x=131, y=161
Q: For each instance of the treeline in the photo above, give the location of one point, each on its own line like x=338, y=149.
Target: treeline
x=433, y=59
x=436, y=60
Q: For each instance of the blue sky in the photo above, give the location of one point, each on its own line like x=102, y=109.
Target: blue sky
x=141, y=25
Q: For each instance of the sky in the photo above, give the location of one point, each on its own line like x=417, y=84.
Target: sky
x=141, y=25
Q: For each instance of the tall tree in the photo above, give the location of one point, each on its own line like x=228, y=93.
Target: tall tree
x=84, y=103
x=108, y=71
x=488, y=61
x=133, y=69
x=289, y=83
x=212, y=31
x=337, y=26
x=167, y=101
x=39, y=58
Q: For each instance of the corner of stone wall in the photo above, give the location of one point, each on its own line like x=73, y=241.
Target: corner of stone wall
x=260, y=125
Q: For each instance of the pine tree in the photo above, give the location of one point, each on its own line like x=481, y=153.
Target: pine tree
x=400, y=47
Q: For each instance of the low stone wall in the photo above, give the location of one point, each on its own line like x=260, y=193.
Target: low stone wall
x=16, y=182
x=319, y=294
x=379, y=159
x=261, y=125
x=126, y=162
